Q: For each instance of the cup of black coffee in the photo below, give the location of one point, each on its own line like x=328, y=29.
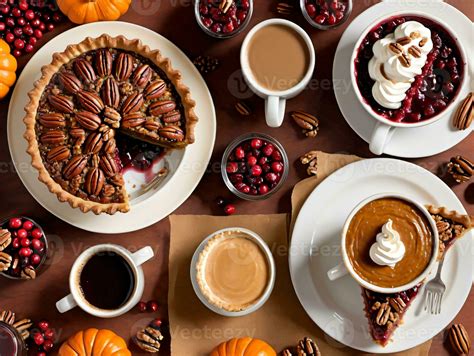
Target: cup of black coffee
x=106, y=281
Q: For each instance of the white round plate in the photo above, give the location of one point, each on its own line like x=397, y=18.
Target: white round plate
x=413, y=142
x=337, y=307
x=186, y=166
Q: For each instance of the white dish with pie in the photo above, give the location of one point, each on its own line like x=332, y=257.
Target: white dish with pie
x=165, y=169
x=337, y=307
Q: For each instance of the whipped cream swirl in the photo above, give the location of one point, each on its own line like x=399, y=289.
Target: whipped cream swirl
x=388, y=249
x=398, y=59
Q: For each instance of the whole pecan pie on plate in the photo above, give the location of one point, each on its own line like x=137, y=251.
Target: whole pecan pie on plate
x=91, y=94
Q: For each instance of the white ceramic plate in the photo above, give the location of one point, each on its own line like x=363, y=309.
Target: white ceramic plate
x=414, y=142
x=186, y=166
x=337, y=307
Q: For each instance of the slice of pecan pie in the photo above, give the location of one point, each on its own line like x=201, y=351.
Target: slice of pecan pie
x=385, y=311
x=89, y=95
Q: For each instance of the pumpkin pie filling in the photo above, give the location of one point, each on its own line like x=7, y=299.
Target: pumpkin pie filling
x=233, y=271
x=414, y=230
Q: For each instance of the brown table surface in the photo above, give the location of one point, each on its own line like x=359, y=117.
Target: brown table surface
x=175, y=20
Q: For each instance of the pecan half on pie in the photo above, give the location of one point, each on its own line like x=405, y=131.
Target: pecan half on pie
x=385, y=311
x=88, y=96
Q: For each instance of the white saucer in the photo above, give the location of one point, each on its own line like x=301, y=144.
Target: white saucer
x=186, y=166
x=337, y=307
x=414, y=142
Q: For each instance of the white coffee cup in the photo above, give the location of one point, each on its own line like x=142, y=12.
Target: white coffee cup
x=384, y=128
x=76, y=298
x=275, y=101
x=345, y=267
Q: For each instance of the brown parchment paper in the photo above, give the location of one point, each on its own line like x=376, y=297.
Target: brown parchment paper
x=282, y=321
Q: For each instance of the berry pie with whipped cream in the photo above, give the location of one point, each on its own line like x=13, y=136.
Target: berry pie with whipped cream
x=409, y=69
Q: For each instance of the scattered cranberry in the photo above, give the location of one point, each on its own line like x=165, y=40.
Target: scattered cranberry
x=48, y=345
x=49, y=334
x=327, y=13
x=213, y=18
x=141, y=307
x=15, y=223
x=38, y=338
x=229, y=209
x=156, y=323
x=152, y=306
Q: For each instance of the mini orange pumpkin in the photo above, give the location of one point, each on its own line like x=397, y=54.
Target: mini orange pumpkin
x=244, y=347
x=8, y=67
x=85, y=11
x=94, y=342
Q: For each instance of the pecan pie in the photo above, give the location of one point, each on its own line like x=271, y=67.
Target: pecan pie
x=385, y=311
x=91, y=94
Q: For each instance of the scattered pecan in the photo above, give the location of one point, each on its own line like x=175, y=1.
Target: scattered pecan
x=414, y=51
x=311, y=159
x=155, y=90
x=395, y=48
x=459, y=339
x=307, y=347
x=5, y=239
x=7, y=316
x=243, y=108
x=148, y=339
x=460, y=168
x=206, y=64
x=308, y=122
x=5, y=261
x=284, y=8
x=404, y=60
x=464, y=115
x=23, y=326
x=404, y=40
x=423, y=41
x=415, y=34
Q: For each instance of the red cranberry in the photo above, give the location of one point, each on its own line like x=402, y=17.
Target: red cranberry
x=256, y=143
x=29, y=48
x=152, y=306
x=228, y=28
x=43, y=325
x=14, y=223
x=141, y=307
x=23, y=5
x=36, y=244
x=36, y=234
x=24, y=242
x=243, y=188
x=239, y=153
x=229, y=209
x=38, y=33
x=429, y=110
x=276, y=155
x=36, y=22
x=50, y=27
x=277, y=167
x=271, y=177
x=263, y=189
x=241, y=16
x=216, y=28
x=49, y=334
x=256, y=170
x=19, y=44
x=311, y=10
x=28, y=225
x=25, y=252
x=57, y=17
x=5, y=9
x=22, y=233
x=236, y=178
x=48, y=345
x=35, y=259
x=16, y=12
x=38, y=339
x=41, y=353
x=21, y=21
x=206, y=21
x=320, y=19
x=331, y=19
x=245, y=4
x=32, y=41
x=156, y=323
x=232, y=167
x=30, y=15
x=2, y=26
x=16, y=243
x=251, y=161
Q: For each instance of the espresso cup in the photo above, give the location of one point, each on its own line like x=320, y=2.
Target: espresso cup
x=384, y=128
x=77, y=297
x=275, y=101
x=345, y=267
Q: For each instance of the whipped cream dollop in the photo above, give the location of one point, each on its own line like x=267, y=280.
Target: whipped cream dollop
x=398, y=59
x=388, y=249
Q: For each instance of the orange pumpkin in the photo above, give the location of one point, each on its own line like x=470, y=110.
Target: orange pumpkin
x=244, y=347
x=8, y=67
x=94, y=342
x=85, y=11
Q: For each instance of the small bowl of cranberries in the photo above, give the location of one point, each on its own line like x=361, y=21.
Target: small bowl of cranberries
x=223, y=18
x=326, y=14
x=27, y=247
x=254, y=166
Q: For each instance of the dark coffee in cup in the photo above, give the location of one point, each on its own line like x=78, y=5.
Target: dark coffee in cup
x=107, y=280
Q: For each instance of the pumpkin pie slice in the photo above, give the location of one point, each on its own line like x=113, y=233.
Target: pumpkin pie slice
x=92, y=97
x=385, y=311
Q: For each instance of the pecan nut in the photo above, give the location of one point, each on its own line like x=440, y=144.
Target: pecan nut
x=459, y=339
x=162, y=107
x=109, y=190
x=88, y=120
x=404, y=40
x=58, y=154
x=70, y=82
x=103, y=62
x=93, y=143
x=108, y=165
x=414, y=51
x=172, y=117
x=123, y=66
x=94, y=181
x=84, y=70
x=148, y=339
x=28, y=272
x=243, y=108
x=133, y=103
x=464, y=115
x=442, y=226
x=110, y=146
x=52, y=120
x=383, y=314
x=5, y=239
x=133, y=119
x=171, y=133
x=7, y=317
x=75, y=166
x=308, y=347
x=5, y=261
x=284, y=8
x=397, y=304
x=111, y=93
x=112, y=117
x=155, y=90
x=152, y=125
x=61, y=103
x=308, y=122
x=107, y=132
x=404, y=60
x=23, y=326
x=461, y=169
x=90, y=101
x=395, y=48
x=52, y=137
x=142, y=76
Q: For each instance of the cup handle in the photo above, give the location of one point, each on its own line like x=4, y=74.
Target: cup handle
x=142, y=255
x=66, y=304
x=275, y=110
x=337, y=272
x=380, y=137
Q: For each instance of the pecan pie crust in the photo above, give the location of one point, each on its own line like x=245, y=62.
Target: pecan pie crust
x=171, y=125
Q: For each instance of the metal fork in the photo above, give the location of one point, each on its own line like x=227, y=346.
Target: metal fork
x=434, y=291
